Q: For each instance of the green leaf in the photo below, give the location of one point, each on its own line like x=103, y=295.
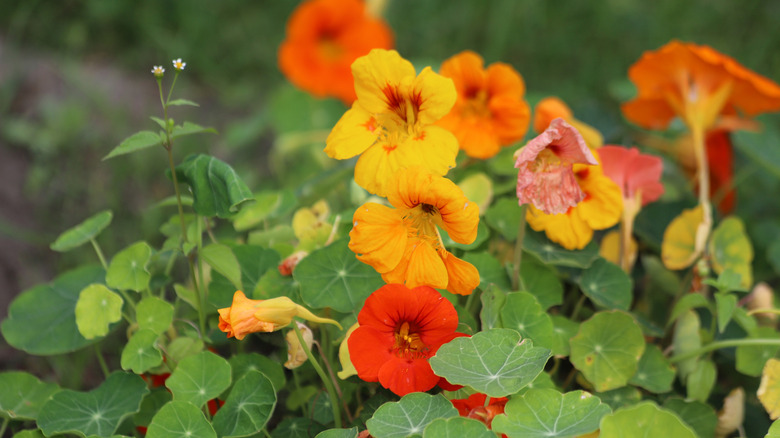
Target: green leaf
x=83, y=232
x=620, y=397
x=23, y=395
x=267, y=204
x=141, y=352
x=773, y=255
x=96, y=309
x=334, y=277
x=654, y=373
x=686, y=303
x=751, y=359
x=273, y=284
x=563, y=330
x=478, y=188
x=217, y=189
x=457, y=427
x=184, y=346
x=241, y=364
x=607, y=285
x=339, y=433
x=727, y=281
x=490, y=270
x=725, y=305
x=199, y=378
x=321, y=409
x=128, y=268
x=774, y=430
x=494, y=362
x=492, y=299
x=607, y=349
x=179, y=419
x=410, y=415
x=644, y=419
x=548, y=413
x=523, y=313
x=29, y=433
x=701, y=380
x=247, y=408
x=505, y=217
x=42, y=320
x=136, y=142
x=179, y=102
x=254, y=261
x=730, y=248
x=97, y=412
x=699, y=416
x=553, y=254
x=221, y=258
x=297, y=428
x=188, y=128
x=686, y=338
x=754, y=146
x=154, y=314
x=542, y=281
x=150, y=405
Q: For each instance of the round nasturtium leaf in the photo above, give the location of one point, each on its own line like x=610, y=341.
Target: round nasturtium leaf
x=730, y=248
x=751, y=359
x=221, y=258
x=180, y=419
x=769, y=390
x=701, y=381
x=504, y=216
x=333, y=277
x=141, y=352
x=551, y=253
x=607, y=349
x=607, y=285
x=563, y=330
x=247, y=408
x=83, y=232
x=410, y=415
x=701, y=417
x=199, y=378
x=548, y=413
x=241, y=364
x=340, y=433
x=620, y=397
x=541, y=281
x=654, y=374
x=644, y=419
x=96, y=309
x=478, y=188
x=154, y=314
x=23, y=395
x=495, y=362
x=457, y=427
x=97, y=412
x=774, y=430
x=490, y=270
x=254, y=261
x=523, y=313
x=684, y=239
x=297, y=428
x=686, y=338
x=128, y=269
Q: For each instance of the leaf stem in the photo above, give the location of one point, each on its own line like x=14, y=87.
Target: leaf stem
x=756, y=342
x=334, y=403
x=4, y=425
x=517, y=280
x=99, y=253
x=765, y=310
x=101, y=361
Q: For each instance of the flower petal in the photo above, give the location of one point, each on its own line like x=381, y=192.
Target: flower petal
x=463, y=276
x=355, y=132
x=374, y=72
x=403, y=376
x=378, y=236
x=369, y=349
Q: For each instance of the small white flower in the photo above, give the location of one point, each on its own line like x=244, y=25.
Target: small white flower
x=158, y=70
x=178, y=65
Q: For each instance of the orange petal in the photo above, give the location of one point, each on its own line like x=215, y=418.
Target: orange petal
x=378, y=236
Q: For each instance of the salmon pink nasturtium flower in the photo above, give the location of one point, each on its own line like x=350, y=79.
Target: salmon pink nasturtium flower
x=545, y=178
x=247, y=316
x=550, y=108
x=400, y=329
x=324, y=38
x=403, y=243
x=490, y=111
x=391, y=125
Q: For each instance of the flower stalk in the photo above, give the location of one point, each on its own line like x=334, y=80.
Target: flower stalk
x=334, y=401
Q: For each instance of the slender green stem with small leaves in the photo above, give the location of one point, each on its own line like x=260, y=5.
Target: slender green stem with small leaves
x=334, y=402
x=99, y=253
x=755, y=342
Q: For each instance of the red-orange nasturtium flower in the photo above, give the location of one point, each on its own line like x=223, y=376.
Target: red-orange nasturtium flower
x=551, y=108
x=400, y=329
x=491, y=111
x=545, y=178
x=474, y=407
x=391, y=124
x=324, y=38
x=403, y=243
x=247, y=316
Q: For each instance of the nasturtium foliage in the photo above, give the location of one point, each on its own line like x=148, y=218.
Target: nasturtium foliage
x=410, y=415
x=620, y=397
x=136, y=142
x=151, y=404
x=563, y=330
x=199, y=378
x=253, y=261
x=654, y=372
x=97, y=412
x=96, y=309
x=333, y=277
x=607, y=285
x=774, y=430
x=607, y=349
x=457, y=427
x=154, y=314
x=23, y=395
x=495, y=362
x=686, y=338
x=769, y=390
x=490, y=270
x=267, y=204
x=241, y=364
x=339, y=433
x=686, y=303
x=180, y=419
x=42, y=320
x=730, y=248
x=551, y=253
x=221, y=258
x=128, y=268
x=492, y=299
x=83, y=232
x=701, y=380
x=683, y=239
x=644, y=419
x=141, y=352
x=297, y=428
x=750, y=358
x=542, y=281
x=548, y=413
x=247, y=408
x=701, y=417
x=504, y=216
x=522, y=312
x=478, y=188
x=29, y=433
x=217, y=189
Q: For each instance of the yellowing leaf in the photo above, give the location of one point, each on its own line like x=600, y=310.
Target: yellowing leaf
x=733, y=413
x=478, y=188
x=310, y=226
x=610, y=248
x=684, y=239
x=347, y=369
x=730, y=248
x=769, y=390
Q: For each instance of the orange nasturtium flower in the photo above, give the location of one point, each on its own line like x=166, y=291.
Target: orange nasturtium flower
x=403, y=243
x=391, y=124
x=490, y=111
x=474, y=407
x=324, y=38
x=545, y=178
x=601, y=209
x=400, y=329
x=247, y=316
x=550, y=108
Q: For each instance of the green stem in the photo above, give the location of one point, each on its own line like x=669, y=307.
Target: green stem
x=756, y=342
x=99, y=253
x=266, y=433
x=199, y=237
x=577, y=307
x=767, y=310
x=198, y=300
x=127, y=298
x=170, y=92
x=4, y=425
x=101, y=361
x=517, y=281
x=334, y=403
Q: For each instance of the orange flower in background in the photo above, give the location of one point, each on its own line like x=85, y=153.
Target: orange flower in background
x=490, y=111
x=246, y=316
x=403, y=243
x=391, y=124
x=545, y=178
x=324, y=38
x=399, y=330
x=550, y=108
x=474, y=407
x=601, y=209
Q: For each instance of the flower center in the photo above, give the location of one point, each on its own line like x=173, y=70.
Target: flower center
x=408, y=344
x=330, y=49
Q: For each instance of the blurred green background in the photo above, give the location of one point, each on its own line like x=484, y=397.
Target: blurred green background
x=75, y=80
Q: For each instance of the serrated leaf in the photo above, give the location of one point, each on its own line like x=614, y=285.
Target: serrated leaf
x=23, y=395
x=333, y=277
x=128, y=268
x=607, y=285
x=654, y=373
x=522, y=312
x=179, y=419
x=644, y=419
x=199, y=378
x=548, y=413
x=607, y=349
x=217, y=189
x=698, y=416
x=136, y=142
x=730, y=248
x=247, y=408
x=154, y=314
x=97, y=412
x=188, y=128
x=141, y=352
x=96, y=309
x=221, y=258
x=410, y=415
x=83, y=232
x=495, y=362
x=179, y=102
x=551, y=253
x=457, y=427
